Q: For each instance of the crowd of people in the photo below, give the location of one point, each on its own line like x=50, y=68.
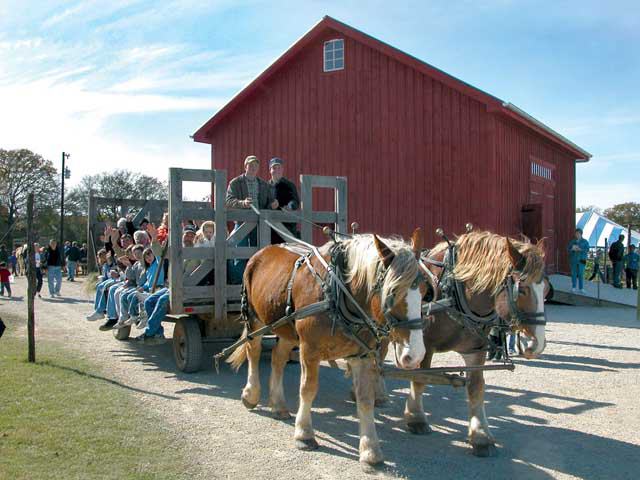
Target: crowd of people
x=133, y=288
x=579, y=248
x=50, y=260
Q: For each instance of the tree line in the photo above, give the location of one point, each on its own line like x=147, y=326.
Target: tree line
x=23, y=171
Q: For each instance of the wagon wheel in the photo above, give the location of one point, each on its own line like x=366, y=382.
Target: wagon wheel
x=122, y=333
x=187, y=345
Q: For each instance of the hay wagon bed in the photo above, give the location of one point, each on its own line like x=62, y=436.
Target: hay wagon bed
x=209, y=314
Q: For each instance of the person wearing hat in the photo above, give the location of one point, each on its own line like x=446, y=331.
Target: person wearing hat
x=243, y=191
x=285, y=192
x=249, y=189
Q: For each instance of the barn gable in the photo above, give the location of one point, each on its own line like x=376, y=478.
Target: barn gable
x=492, y=103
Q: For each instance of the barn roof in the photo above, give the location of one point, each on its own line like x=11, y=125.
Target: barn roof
x=494, y=104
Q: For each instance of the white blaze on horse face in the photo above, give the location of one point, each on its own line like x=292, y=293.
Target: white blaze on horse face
x=411, y=355
x=535, y=346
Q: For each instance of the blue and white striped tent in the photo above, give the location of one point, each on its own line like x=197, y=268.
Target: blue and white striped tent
x=595, y=228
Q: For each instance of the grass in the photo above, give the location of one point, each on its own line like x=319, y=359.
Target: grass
x=60, y=419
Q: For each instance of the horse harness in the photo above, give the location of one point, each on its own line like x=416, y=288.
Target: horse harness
x=454, y=301
x=337, y=302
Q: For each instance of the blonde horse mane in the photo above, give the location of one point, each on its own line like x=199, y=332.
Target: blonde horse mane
x=483, y=261
x=363, y=263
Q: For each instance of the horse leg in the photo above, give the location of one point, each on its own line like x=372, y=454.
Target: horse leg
x=279, y=358
x=481, y=440
x=382, y=398
x=310, y=367
x=414, y=410
x=251, y=391
x=364, y=371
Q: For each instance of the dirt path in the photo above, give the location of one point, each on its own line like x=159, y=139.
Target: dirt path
x=571, y=414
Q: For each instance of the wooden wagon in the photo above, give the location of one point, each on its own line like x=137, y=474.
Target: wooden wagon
x=209, y=314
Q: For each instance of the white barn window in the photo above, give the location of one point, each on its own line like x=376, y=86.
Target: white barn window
x=334, y=55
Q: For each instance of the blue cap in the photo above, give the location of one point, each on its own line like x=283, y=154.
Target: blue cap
x=275, y=161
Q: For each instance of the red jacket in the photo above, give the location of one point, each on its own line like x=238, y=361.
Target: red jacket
x=4, y=275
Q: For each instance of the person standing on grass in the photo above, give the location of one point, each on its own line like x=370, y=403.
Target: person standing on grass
x=55, y=262
x=5, y=284
x=578, y=249
x=631, y=261
x=616, y=254
x=72, y=256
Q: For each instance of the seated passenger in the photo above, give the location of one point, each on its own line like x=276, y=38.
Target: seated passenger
x=205, y=237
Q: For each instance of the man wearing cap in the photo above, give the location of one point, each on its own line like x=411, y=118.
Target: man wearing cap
x=243, y=191
x=285, y=192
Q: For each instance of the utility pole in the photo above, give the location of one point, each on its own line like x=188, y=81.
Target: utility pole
x=65, y=173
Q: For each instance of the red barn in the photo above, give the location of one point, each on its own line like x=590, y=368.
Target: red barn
x=418, y=146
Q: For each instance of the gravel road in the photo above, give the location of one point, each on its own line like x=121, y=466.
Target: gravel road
x=573, y=413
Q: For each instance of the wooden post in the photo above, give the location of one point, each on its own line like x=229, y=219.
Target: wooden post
x=31, y=282
x=220, y=287
x=341, y=195
x=306, y=193
x=91, y=236
x=176, y=264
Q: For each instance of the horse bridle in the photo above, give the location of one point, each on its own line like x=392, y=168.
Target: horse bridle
x=391, y=320
x=519, y=317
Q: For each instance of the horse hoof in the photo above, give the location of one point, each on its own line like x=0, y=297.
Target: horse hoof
x=248, y=404
x=281, y=414
x=418, y=428
x=307, y=444
x=372, y=468
x=484, y=451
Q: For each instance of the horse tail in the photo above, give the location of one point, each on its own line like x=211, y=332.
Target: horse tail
x=239, y=356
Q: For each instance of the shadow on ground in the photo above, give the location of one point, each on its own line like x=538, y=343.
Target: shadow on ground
x=529, y=446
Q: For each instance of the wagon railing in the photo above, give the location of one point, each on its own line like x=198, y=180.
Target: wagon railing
x=188, y=295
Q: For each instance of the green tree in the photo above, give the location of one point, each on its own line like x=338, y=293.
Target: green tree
x=625, y=214
x=22, y=172
x=119, y=185
x=588, y=208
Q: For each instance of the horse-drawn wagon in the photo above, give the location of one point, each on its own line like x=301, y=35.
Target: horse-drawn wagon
x=478, y=281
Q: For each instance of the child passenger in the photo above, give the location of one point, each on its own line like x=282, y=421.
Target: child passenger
x=205, y=237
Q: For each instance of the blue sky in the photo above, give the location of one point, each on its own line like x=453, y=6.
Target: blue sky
x=123, y=83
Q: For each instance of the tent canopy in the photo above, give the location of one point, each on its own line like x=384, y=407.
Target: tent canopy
x=596, y=228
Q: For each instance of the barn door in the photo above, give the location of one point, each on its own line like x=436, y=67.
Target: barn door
x=542, y=194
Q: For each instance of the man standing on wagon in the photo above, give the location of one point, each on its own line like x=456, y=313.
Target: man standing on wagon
x=285, y=192
x=243, y=191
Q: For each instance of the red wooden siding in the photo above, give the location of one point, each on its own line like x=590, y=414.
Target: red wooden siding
x=416, y=152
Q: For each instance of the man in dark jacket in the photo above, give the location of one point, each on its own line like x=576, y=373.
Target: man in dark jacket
x=285, y=192
x=73, y=257
x=616, y=254
x=243, y=191
x=55, y=261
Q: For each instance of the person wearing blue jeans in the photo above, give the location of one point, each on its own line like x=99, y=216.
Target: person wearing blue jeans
x=55, y=262
x=578, y=249
x=156, y=306
x=100, y=301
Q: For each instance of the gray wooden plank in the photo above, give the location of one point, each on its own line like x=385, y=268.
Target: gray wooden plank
x=319, y=181
x=341, y=205
x=220, y=307
x=241, y=252
x=198, y=214
x=241, y=233
x=202, y=253
x=324, y=217
x=306, y=197
x=241, y=215
x=176, y=266
x=198, y=175
x=199, y=273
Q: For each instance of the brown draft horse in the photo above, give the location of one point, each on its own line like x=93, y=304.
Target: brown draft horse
x=483, y=262
x=397, y=294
